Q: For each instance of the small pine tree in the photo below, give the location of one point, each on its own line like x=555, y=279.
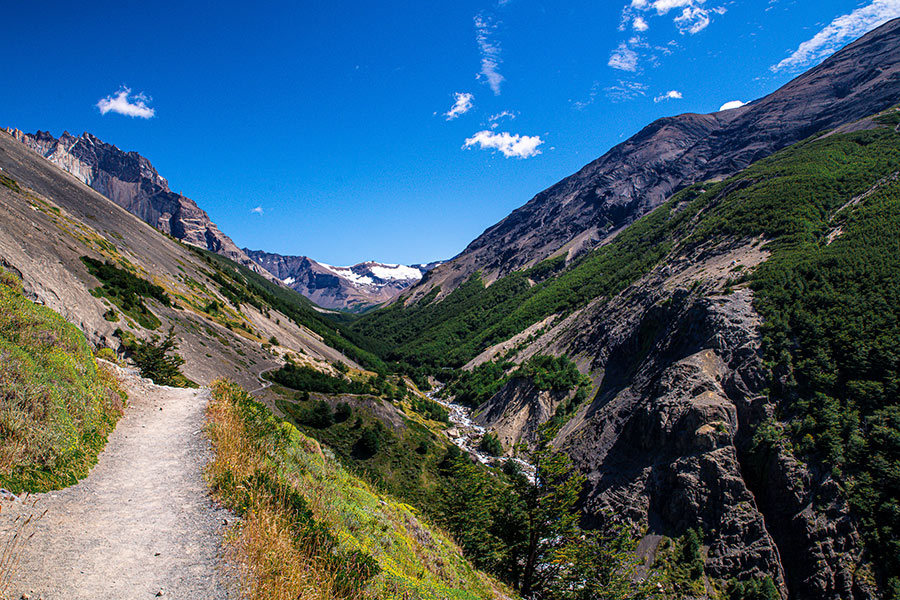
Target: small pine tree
x=154, y=360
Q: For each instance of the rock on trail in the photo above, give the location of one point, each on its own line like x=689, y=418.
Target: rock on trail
x=142, y=524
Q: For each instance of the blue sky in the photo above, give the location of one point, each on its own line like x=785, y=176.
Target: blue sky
x=329, y=129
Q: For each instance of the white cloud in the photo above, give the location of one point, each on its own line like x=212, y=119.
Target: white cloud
x=258, y=210
x=623, y=58
x=124, y=104
x=490, y=53
x=518, y=146
x=502, y=115
x=464, y=103
x=670, y=95
x=692, y=15
x=840, y=31
x=624, y=91
x=732, y=105
x=688, y=16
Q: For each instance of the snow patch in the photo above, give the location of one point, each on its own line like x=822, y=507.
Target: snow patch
x=289, y=281
x=395, y=272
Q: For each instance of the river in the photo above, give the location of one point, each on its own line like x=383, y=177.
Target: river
x=467, y=434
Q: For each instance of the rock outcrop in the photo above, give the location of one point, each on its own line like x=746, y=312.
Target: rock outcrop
x=585, y=209
x=666, y=440
x=129, y=180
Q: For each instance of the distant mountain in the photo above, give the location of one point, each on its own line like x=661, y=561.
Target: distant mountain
x=586, y=209
x=129, y=180
x=354, y=288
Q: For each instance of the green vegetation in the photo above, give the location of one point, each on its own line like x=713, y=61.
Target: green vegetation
x=157, y=358
x=402, y=461
x=490, y=444
x=429, y=409
x=760, y=588
x=310, y=529
x=552, y=373
x=681, y=564
x=527, y=532
x=308, y=379
x=127, y=291
x=241, y=285
x=56, y=405
x=473, y=388
x=10, y=183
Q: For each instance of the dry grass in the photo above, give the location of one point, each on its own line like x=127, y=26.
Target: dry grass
x=312, y=530
x=273, y=562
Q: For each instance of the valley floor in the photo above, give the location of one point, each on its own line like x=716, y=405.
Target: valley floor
x=141, y=523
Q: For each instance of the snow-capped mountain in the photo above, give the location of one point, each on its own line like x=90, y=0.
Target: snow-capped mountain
x=353, y=288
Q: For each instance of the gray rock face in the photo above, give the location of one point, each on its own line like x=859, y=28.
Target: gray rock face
x=355, y=288
x=129, y=180
x=517, y=411
x=636, y=176
x=680, y=389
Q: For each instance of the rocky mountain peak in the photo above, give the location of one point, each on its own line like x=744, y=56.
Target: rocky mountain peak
x=353, y=288
x=131, y=181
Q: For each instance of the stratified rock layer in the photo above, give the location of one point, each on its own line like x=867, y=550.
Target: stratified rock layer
x=129, y=180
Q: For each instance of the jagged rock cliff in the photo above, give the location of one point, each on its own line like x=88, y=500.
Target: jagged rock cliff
x=129, y=180
x=584, y=210
x=354, y=288
x=666, y=440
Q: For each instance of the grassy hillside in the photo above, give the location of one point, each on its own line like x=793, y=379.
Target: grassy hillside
x=241, y=285
x=311, y=529
x=56, y=406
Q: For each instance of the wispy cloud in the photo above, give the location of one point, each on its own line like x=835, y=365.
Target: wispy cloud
x=624, y=58
x=258, y=210
x=123, y=103
x=506, y=114
x=624, y=91
x=490, y=53
x=732, y=105
x=464, y=103
x=670, y=95
x=837, y=33
x=512, y=146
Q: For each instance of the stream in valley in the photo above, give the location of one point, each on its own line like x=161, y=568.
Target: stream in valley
x=467, y=434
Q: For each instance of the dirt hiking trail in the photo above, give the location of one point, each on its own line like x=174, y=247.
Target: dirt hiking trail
x=142, y=524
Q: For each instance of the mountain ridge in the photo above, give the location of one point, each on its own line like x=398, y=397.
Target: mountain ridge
x=585, y=209
x=355, y=288
x=131, y=181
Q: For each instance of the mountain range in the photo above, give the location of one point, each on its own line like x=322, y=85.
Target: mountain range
x=355, y=288
x=722, y=288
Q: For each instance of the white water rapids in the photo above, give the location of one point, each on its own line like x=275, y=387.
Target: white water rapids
x=467, y=434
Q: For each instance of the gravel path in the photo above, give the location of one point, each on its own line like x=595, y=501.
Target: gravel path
x=141, y=525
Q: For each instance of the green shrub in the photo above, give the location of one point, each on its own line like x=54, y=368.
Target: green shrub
x=490, y=444
x=301, y=377
x=158, y=360
x=127, y=291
